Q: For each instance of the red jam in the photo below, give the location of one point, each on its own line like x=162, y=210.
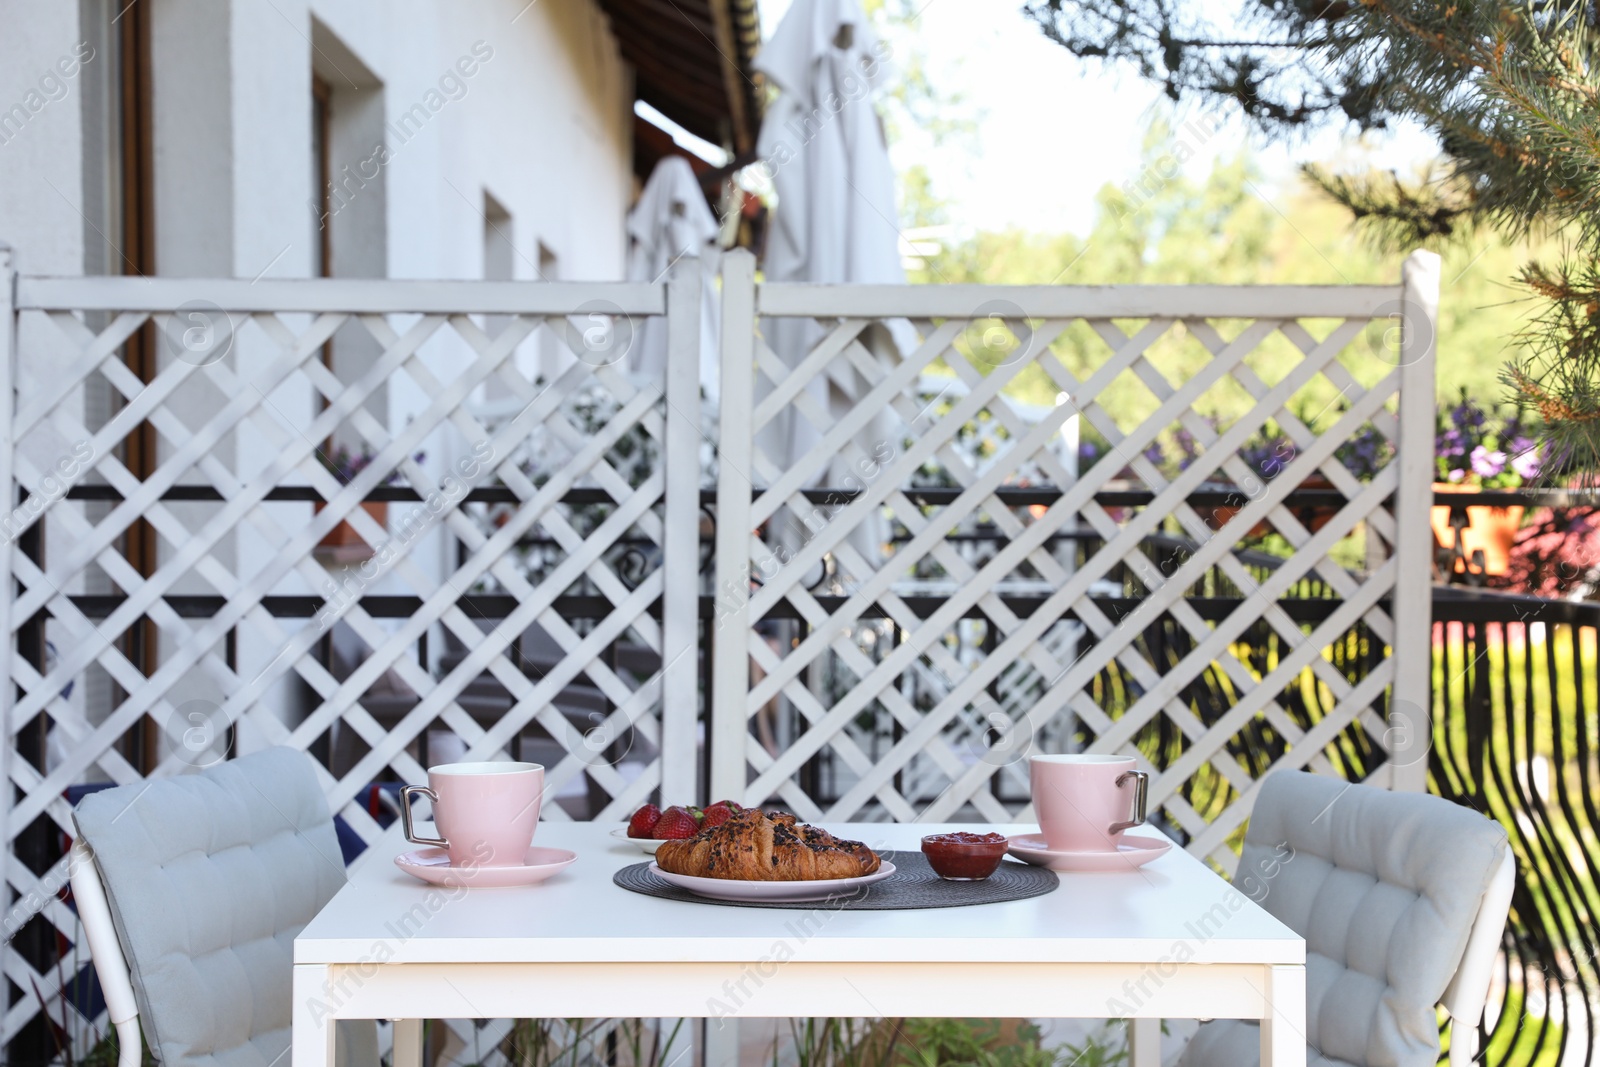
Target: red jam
x=964, y=857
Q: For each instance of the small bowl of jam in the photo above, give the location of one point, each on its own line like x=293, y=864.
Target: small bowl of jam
x=964, y=857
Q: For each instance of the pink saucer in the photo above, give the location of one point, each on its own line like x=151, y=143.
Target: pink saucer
x=1136, y=850
x=433, y=865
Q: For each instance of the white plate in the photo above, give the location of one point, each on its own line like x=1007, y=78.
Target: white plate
x=772, y=892
x=1136, y=850
x=433, y=865
x=649, y=844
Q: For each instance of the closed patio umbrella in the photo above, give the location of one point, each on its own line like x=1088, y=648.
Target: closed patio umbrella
x=671, y=221
x=835, y=220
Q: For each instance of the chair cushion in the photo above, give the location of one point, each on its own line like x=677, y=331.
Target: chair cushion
x=1237, y=1043
x=210, y=876
x=1384, y=887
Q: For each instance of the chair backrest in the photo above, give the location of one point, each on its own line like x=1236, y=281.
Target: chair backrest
x=1468, y=991
x=1386, y=888
x=208, y=878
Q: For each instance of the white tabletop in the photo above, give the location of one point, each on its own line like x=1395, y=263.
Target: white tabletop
x=1139, y=916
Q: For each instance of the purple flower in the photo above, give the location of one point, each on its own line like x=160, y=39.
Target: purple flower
x=1186, y=445
x=1487, y=464
x=1449, y=444
x=1467, y=416
x=1526, y=463
x=1154, y=453
x=1456, y=475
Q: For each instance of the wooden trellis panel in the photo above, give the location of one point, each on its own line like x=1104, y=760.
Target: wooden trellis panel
x=912, y=668
x=241, y=446
x=909, y=729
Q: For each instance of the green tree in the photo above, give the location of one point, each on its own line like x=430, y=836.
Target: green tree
x=1231, y=227
x=1508, y=88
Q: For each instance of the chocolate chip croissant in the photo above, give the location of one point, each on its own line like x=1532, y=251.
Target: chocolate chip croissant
x=756, y=846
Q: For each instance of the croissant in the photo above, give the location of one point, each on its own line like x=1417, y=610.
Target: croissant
x=756, y=846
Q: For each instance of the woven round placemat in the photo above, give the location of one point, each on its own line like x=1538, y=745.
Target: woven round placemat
x=912, y=885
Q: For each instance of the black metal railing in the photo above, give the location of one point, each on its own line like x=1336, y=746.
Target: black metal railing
x=1516, y=737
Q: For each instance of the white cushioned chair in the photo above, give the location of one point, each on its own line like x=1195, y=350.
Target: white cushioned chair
x=1402, y=899
x=197, y=885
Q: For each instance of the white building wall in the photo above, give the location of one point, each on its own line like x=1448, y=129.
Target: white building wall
x=542, y=123
x=41, y=134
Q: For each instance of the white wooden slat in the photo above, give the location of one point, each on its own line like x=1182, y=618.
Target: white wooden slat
x=811, y=710
x=888, y=696
x=433, y=703
x=1135, y=717
x=896, y=473
x=8, y=651
x=1073, y=499
x=95, y=352
x=1230, y=629
x=1280, y=517
x=814, y=363
x=1413, y=604
x=356, y=487
x=853, y=423
x=1087, y=301
x=754, y=695
x=503, y=569
x=503, y=541
x=964, y=784
x=1316, y=739
x=1141, y=671
x=343, y=295
x=1301, y=434
x=199, y=461
x=298, y=546
x=680, y=697
x=172, y=468
x=731, y=621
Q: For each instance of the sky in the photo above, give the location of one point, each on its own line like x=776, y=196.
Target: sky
x=1051, y=131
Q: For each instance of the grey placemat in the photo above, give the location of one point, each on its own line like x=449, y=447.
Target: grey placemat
x=912, y=885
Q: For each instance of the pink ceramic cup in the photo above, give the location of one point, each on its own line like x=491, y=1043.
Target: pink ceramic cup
x=486, y=812
x=1084, y=802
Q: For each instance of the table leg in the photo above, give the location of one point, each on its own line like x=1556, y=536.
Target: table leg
x=722, y=1043
x=408, y=1043
x=311, y=1017
x=1144, y=1043
x=1283, y=1025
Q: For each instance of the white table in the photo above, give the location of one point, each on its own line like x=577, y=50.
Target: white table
x=1169, y=940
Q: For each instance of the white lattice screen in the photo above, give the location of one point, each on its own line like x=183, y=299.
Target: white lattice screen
x=542, y=581
x=845, y=691
x=496, y=526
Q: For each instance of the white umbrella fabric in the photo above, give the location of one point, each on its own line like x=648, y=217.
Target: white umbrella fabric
x=835, y=220
x=671, y=221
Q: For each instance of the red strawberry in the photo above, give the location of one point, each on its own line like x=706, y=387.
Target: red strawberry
x=675, y=823
x=717, y=814
x=644, y=820
x=731, y=805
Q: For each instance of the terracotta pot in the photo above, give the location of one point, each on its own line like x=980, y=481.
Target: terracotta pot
x=1491, y=529
x=1315, y=517
x=1312, y=518
x=344, y=536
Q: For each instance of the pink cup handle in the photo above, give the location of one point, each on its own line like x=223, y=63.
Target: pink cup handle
x=1140, y=789
x=422, y=790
